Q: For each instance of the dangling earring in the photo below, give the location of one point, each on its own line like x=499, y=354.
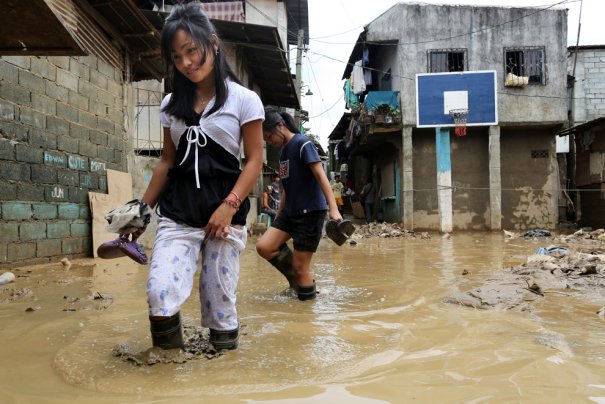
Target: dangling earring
x=216, y=52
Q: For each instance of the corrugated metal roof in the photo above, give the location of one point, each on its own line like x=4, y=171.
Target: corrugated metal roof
x=582, y=126
x=31, y=28
x=263, y=56
x=105, y=28
x=135, y=31
x=87, y=33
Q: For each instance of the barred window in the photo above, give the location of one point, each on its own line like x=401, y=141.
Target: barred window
x=447, y=60
x=526, y=62
x=539, y=154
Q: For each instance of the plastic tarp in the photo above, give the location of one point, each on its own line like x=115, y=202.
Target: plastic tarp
x=375, y=98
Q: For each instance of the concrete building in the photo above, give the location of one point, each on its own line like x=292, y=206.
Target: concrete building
x=586, y=66
x=72, y=104
x=502, y=176
x=586, y=69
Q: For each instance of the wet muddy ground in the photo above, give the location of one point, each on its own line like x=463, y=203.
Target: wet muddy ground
x=383, y=328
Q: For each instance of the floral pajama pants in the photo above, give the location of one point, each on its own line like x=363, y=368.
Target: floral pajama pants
x=174, y=263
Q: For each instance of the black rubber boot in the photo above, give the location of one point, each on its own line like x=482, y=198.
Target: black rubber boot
x=307, y=292
x=283, y=262
x=224, y=339
x=167, y=334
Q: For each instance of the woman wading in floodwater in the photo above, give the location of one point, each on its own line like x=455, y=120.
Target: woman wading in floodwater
x=198, y=187
x=306, y=197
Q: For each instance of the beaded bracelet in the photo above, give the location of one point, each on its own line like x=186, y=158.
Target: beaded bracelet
x=231, y=204
x=237, y=198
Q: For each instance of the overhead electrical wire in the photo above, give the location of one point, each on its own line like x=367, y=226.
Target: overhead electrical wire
x=295, y=35
x=539, y=9
x=486, y=28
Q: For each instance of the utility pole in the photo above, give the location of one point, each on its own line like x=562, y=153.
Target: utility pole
x=298, y=81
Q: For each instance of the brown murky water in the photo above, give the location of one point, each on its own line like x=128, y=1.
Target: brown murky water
x=378, y=332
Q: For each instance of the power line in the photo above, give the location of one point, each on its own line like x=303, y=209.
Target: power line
x=486, y=28
x=413, y=79
x=318, y=87
x=333, y=105
x=332, y=35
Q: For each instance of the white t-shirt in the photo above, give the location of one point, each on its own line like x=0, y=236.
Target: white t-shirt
x=223, y=126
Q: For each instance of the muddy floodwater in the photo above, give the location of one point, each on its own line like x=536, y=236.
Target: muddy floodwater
x=378, y=332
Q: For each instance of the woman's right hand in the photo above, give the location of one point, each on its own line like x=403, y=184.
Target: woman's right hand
x=135, y=235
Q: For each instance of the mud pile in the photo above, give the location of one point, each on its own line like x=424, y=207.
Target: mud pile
x=584, y=237
x=387, y=230
x=197, y=346
x=581, y=275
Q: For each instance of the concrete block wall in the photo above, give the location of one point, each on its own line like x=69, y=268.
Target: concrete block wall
x=61, y=128
x=589, y=87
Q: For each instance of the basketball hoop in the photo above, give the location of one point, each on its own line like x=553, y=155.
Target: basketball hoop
x=460, y=116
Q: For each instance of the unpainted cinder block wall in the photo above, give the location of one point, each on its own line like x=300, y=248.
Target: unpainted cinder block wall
x=61, y=127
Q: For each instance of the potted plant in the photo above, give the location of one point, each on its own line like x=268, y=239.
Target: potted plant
x=380, y=112
x=393, y=116
x=365, y=116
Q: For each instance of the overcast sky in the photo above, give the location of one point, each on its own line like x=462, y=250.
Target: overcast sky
x=334, y=26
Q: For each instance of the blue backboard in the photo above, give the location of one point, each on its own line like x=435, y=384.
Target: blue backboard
x=438, y=93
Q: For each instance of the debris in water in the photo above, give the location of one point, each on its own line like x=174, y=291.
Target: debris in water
x=515, y=288
x=584, y=236
x=66, y=263
x=7, y=277
x=589, y=269
x=386, y=230
x=536, y=233
x=510, y=234
x=535, y=288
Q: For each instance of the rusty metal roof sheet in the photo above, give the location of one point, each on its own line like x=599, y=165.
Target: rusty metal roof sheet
x=31, y=27
x=267, y=62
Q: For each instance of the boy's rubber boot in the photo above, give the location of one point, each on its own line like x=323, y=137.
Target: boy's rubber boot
x=224, y=339
x=283, y=262
x=334, y=233
x=167, y=334
x=307, y=292
x=346, y=227
x=339, y=232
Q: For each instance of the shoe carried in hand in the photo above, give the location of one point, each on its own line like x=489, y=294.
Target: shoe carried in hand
x=339, y=232
x=122, y=247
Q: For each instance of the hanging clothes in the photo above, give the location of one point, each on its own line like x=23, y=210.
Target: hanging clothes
x=367, y=73
x=367, y=76
x=351, y=99
x=358, y=84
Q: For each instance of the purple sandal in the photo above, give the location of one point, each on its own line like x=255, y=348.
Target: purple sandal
x=122, y=247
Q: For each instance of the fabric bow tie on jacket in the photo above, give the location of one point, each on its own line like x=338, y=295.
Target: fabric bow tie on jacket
x=194, y=134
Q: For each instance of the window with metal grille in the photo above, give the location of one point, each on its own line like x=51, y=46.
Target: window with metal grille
x=539, y=154
x=447, y=60
x=526, y=62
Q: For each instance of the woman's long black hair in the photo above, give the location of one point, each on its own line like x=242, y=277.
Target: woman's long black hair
x=273, y=117
x=191, y=19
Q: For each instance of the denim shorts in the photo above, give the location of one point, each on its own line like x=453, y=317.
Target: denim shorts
x=305, y=230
